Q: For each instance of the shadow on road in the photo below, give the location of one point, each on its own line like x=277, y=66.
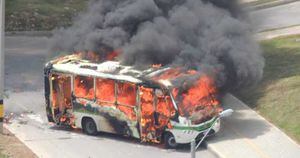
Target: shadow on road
x=243, y=123
x=184, y=148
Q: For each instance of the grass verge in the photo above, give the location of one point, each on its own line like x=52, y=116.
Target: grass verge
x=2, y=153
x=43, y=15
x=3, y=156
x=277, y=97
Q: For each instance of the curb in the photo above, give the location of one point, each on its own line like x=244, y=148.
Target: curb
x=213, y=150
x=269, y=5
x=288, y=31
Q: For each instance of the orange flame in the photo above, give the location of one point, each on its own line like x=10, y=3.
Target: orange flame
x=156, y=65
x=147, y=110
x=201, y=95
x=126, y=99
x=113, y=55
x=105, y=92
x=84, y=87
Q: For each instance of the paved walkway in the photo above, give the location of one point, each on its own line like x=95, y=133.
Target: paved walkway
x=260, y=4
x=276, y=17
x=278, y=33
x=246, y=134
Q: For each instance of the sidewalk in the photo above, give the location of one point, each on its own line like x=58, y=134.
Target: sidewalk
x=260, y=4
x=293, y=30
x=246, y=134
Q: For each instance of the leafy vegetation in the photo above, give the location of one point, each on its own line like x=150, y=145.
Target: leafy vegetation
x=38, y=15
x=3, y=155
x=277, y=97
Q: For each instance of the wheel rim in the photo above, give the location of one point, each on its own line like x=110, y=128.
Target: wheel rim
x=90, y=127
x=172, y=142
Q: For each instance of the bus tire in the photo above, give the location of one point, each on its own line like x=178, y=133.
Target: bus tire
x=89, y=126
x=169, y=141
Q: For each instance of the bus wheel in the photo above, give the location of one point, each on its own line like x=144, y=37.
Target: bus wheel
x=89, y=126
x=169, y=141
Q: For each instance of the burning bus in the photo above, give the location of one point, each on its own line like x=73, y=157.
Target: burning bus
x=148, y=104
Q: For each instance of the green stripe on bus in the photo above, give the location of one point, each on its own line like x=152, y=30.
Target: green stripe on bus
x=200, y=128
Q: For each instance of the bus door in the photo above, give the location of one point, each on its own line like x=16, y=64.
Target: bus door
x=156, y=111
x=164, y=110
x=147, y=114
x=61, y=97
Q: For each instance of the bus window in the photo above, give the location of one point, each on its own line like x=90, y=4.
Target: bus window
x=84, y=87
x=126, y=93
x=105, y=91
x=126, y=98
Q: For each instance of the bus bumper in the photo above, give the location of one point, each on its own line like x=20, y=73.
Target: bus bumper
x=186, y=136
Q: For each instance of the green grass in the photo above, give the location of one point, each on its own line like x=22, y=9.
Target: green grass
x=27, y=15
x=277, y=97
x=3, y=155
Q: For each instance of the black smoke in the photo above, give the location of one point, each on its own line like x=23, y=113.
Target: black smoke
x=211, y=36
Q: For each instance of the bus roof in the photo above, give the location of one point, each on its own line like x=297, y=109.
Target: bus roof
x=109, y=69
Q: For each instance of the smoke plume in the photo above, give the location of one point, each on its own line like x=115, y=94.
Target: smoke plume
x=212, y=36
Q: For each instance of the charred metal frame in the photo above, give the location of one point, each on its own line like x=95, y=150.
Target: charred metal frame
x=47, y=81
x=120, y=119
x=51, y=90
x=136, y=108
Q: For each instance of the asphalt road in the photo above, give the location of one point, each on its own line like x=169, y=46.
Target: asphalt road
x=276, y=17
x=25, y=58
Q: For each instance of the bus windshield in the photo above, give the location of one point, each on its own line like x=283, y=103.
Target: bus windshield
x=197, y=109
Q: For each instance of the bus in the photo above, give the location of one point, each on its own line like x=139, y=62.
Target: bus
x=113, y=98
